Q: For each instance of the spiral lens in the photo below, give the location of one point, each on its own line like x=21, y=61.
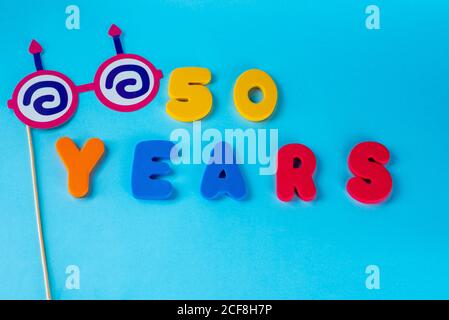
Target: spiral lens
x=45, y=99
x=126, y=82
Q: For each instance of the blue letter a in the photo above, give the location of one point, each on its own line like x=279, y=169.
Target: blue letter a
x=222, y=175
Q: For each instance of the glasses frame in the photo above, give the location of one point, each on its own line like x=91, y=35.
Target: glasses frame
x=75, y=90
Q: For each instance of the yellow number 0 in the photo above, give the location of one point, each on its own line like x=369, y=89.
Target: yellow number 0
x=255, y=79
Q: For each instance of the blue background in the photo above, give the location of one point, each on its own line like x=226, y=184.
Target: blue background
x=339, y=84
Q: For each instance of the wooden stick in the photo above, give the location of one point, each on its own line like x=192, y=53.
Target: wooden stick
x=38, y=215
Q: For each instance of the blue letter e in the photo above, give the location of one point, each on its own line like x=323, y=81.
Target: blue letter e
x=147, y=168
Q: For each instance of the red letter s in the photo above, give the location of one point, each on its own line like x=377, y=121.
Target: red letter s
x=372, y=182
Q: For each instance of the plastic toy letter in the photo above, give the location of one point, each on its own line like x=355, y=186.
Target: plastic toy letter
x=147, y=167
x=372, y=182
x=79, y=163
x=296, y=165
x=190, y=99
x=222, y=175
x=255, y=79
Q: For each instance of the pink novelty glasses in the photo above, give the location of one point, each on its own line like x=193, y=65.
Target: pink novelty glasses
x=46, y=99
